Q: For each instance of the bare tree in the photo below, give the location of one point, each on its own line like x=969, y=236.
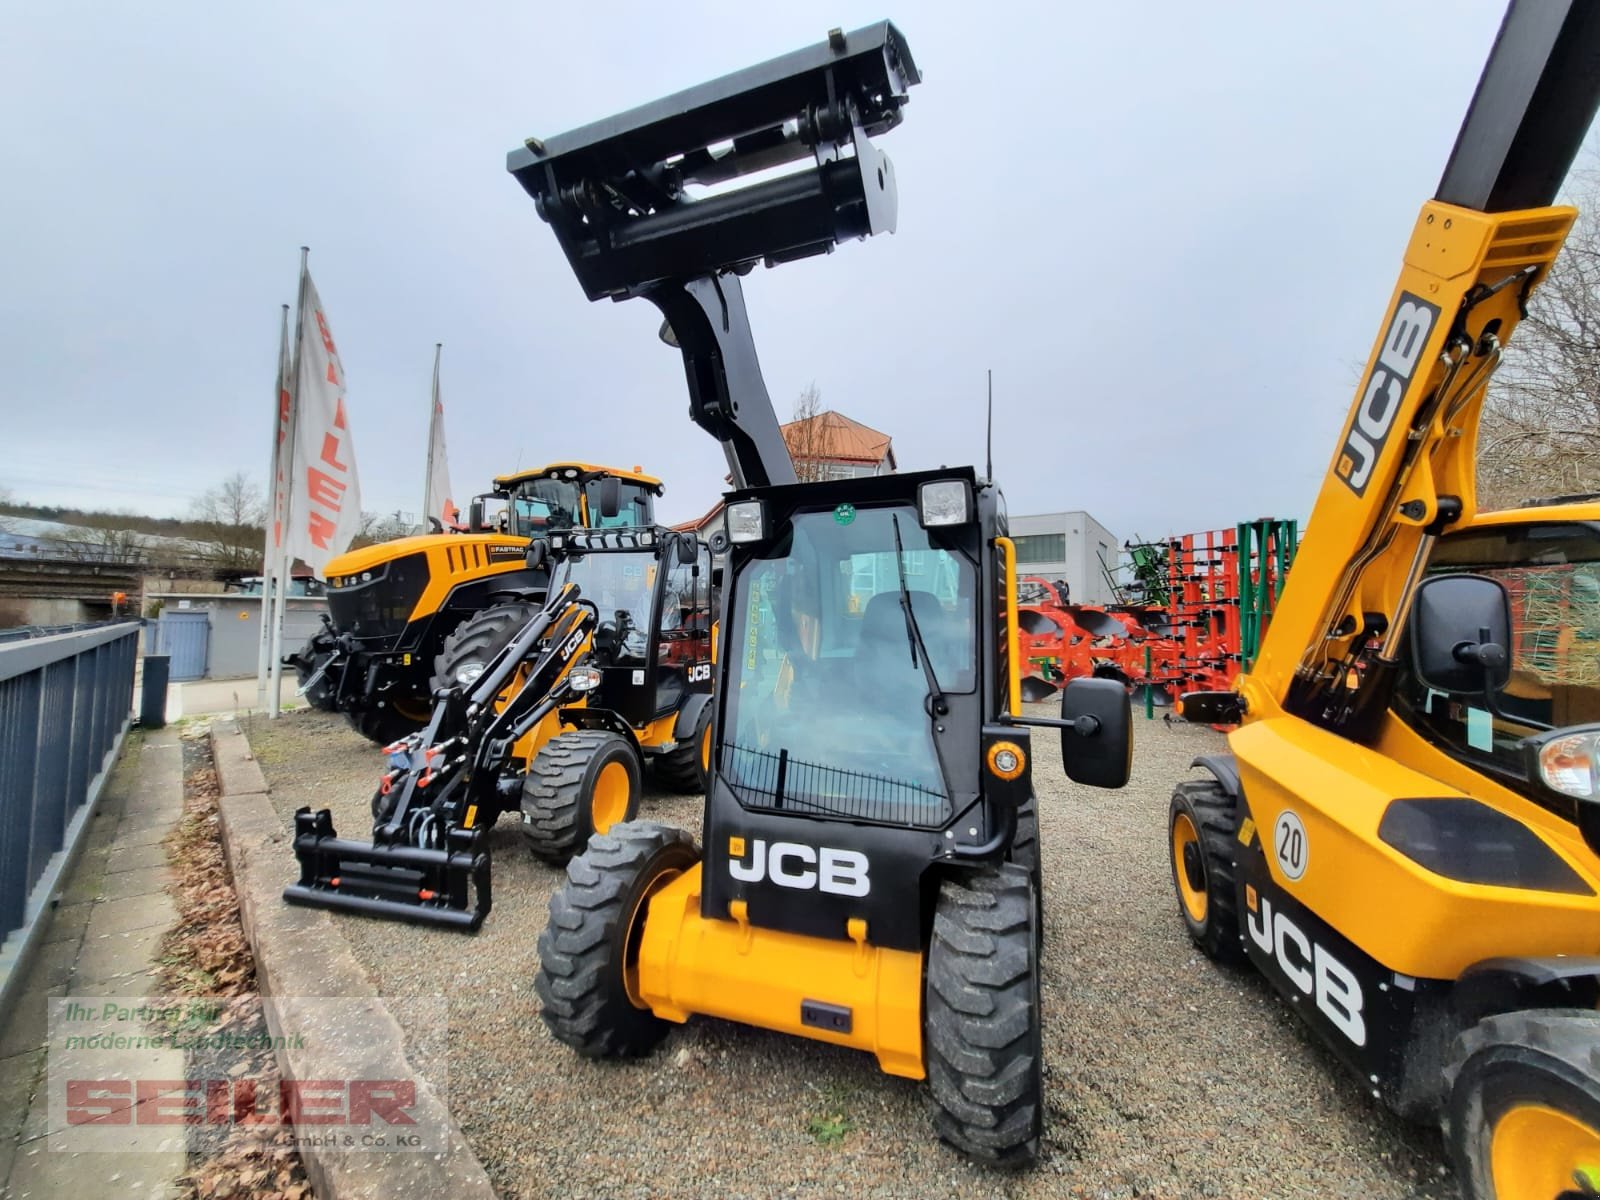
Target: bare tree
x=381, y=527
x=230, y=520
x=101, y=544
x=806, y=437
x=1539, y=434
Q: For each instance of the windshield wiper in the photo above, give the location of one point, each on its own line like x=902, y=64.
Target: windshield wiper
x=913, y=630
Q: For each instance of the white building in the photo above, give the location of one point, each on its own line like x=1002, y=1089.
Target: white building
x=1071, y=546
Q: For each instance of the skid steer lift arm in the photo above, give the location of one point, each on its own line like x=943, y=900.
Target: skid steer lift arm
x=619, y=195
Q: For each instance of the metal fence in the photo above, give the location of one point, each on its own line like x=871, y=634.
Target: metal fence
x=64, y=708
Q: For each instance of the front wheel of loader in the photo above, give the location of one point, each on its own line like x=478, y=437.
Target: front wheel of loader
x=687, y=768
x=1200, y=830
x=589, y=950
x=1522, y=1115
x=580, y=783
x=982, y=1024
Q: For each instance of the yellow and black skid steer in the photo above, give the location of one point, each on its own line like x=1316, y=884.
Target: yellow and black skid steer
x=1404, y=836
x=869, y=875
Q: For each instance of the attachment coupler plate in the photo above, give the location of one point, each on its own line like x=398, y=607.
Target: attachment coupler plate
x=617, y=192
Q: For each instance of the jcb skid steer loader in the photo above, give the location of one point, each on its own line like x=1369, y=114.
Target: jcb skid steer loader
x=612, y=671
x=870, y=870
x=1404, y=836
x=396, y=609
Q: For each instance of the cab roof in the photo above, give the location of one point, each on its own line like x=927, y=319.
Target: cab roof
x=578, y=472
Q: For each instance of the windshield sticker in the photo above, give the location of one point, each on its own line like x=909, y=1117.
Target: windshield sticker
x=844, y=514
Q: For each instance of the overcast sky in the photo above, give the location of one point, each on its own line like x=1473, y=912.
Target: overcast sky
x=1169, y=228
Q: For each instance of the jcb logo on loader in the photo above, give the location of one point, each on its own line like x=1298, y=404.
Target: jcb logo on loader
x=793, y=865
x=1380, y=400
x=700, y=673
x=1309, y=967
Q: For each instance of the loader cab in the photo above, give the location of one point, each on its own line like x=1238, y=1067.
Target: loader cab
x=652, y=594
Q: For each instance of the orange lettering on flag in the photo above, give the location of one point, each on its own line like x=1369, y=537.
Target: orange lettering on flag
x=324, y=489
x=338, y=413
x=330, y=452
x=320, y=528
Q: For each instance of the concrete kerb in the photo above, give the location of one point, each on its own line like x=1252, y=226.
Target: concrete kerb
x=301, y=952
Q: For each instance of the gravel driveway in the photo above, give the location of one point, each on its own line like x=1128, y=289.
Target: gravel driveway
x=1166, y=1077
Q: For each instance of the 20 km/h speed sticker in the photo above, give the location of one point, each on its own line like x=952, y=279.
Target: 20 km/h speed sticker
x=1290, y=844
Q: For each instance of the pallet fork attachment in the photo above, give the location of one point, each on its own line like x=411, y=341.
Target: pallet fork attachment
x=620, y=195
x=427, y=862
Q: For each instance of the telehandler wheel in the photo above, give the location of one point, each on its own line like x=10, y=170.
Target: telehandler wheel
x=1522, y=1116
x=469, y=647
x=1200, y=826
x=688, y=767
x=1025, y=853
x=589, y=951
x=982, y=1019
x=581, y=782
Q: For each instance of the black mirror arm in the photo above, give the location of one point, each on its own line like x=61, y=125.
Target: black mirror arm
x=1084, y=726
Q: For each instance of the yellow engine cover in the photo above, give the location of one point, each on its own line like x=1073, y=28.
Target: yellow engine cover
x=734, y=970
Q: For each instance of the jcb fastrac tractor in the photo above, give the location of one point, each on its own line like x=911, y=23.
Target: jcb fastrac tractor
x=1404, y=836
x=869, y=875
x=613, y=670
x=395, y=610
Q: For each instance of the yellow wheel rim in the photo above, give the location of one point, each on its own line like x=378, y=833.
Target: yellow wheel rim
x=413, y=710
x=636, y=920
x=705, y=750
x=1535, y=1150
x=1194, y=899
x=611, y=795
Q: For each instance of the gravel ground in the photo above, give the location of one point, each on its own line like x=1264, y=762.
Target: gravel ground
x=1166, y=1076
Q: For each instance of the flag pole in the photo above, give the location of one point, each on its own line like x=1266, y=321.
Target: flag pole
x=433, y=424
x=273, y=522
x=280, y=605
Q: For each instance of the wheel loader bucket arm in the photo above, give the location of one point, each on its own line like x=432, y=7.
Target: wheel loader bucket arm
x=627, y=200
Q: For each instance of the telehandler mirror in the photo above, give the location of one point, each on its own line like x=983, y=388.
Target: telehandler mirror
x=475, y=515
x=686, y=551
x=1097, y=741
x=1461, y=634
x=610, y=497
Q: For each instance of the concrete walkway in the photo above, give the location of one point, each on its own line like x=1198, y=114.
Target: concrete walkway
x=102, y=941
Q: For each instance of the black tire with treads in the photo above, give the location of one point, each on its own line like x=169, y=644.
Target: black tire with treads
x=682, y=769
x=478, y=639
x=982, y=1020
x=558, y=791
x=585, y=948
x=1215, y=816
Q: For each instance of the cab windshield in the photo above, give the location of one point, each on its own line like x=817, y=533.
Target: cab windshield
x=619, y=585
x=828, y=705
x=1551, y=573
x=635, y=509
x=543, y=505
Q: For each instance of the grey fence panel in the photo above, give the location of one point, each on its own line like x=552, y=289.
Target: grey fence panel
x=65, y=702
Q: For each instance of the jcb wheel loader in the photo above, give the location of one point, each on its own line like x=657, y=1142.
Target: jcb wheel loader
x=394, y=607
x=1404, y=836
x=869, y=871
x=612, y=671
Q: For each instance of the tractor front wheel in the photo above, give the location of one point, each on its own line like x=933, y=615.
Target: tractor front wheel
x=580, y=783
x=388, y=723
x=1523, y=1108
x=1200, y=831
x=473, y=644
x=982, y=1024
x=589, y=950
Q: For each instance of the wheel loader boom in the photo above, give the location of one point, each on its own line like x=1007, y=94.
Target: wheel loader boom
x=624, y=197
x=1404, y=469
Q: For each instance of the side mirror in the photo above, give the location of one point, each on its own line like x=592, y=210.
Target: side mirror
x=1461, y=634
x=475, y=515
x=610, y=497
x=1097, y=742
x=686, y=551
x=538, y=554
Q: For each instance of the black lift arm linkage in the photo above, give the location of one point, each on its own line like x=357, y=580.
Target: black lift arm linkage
x=618, y=194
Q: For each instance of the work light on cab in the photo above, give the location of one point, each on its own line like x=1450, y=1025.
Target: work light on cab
x=746, y=521
x=944, y=502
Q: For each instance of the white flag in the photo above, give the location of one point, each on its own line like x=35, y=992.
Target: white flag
x=326, y=510
x=278, y=476
x=438, y=503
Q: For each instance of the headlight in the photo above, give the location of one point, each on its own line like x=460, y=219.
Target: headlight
x=467, y=674
x=1567, y=764
x=583, y=679
x=746, y=521
x=944, y=502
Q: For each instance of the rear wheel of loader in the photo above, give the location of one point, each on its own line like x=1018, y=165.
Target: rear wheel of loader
x=580, y=783
x=589, y=951
x=1200, y=828
x=1523, y=1110
x=982, y=1020
x=471, y=645
x=688, y=767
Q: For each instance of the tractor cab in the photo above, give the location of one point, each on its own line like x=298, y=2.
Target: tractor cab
x=569, y=495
